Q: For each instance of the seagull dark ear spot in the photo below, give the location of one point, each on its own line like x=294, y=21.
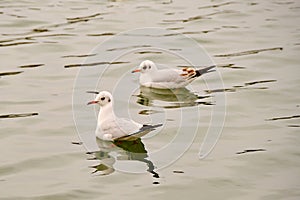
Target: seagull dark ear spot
x=109, y=100
x=149, y=66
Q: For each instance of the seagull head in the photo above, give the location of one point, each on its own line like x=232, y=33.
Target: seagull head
x=103, y=98
x=145, y=67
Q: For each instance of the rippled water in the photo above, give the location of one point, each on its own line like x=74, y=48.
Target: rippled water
x=255, y=46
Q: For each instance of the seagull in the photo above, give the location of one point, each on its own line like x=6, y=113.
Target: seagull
x=110, y=127
x=168, y=78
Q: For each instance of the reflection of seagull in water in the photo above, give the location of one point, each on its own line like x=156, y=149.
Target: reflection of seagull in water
x=168, y=78
x=126, y=150
x=180, y=97
x=110, y=127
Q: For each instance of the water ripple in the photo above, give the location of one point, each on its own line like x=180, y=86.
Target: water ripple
x=94, y=64
x=250, y=151
x=283, y=118
x=18, y=115
x=31, y=65
x=243, y=53
x=10, y=73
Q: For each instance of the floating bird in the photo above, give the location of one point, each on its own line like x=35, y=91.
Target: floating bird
x=110, y=127
x=168, y=78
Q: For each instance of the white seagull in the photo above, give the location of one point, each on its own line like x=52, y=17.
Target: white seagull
x=168, y=78
x=110, y=127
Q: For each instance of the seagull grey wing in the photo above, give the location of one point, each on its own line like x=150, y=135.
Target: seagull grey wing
x=145, y=129
x=117, y=128
x=128, y=126
x=166, y=79
x=167, y=75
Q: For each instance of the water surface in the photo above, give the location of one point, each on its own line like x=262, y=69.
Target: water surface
x=255, y=46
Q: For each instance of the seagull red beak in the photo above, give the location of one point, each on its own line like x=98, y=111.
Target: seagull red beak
x=92, y=102
x=136, y=70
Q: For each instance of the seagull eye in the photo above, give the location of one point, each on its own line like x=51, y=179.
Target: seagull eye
x=102, y=98
x=144, y=68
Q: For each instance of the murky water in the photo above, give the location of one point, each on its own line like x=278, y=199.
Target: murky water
x=255, y=46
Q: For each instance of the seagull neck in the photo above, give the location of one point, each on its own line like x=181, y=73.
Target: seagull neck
x=106, y=112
